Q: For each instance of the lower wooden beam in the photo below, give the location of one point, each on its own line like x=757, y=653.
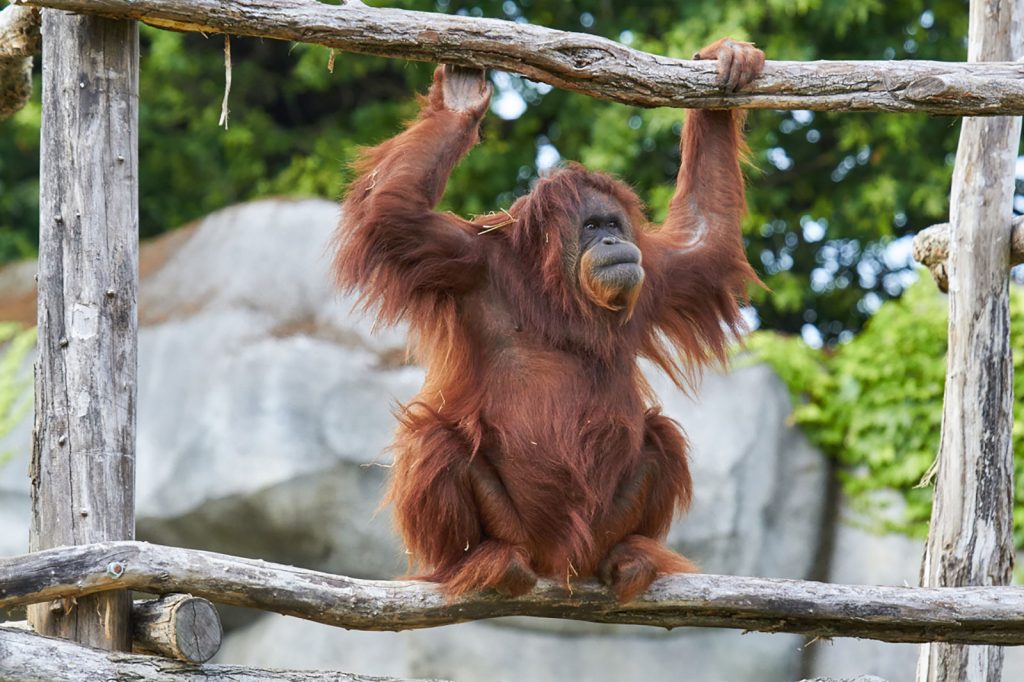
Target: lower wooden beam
x=28, y=657
x=968, y=615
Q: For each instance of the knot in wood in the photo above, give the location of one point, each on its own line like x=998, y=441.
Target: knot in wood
x=583, y=57
x=926, y=87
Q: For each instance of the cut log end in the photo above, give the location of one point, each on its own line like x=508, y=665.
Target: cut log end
x=177, y=626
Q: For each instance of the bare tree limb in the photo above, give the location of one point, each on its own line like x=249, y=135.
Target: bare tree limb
x=931, y=249
x=588, y=64
x=894, y=614
x=28, y=657
x=19, y=40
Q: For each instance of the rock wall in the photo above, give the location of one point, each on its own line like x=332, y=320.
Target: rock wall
x=264, y=415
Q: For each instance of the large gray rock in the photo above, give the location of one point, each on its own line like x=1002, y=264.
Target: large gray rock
x=490, y=651
x=759, y=487
x=265, y=410
x=264, y=414
x=262, y=401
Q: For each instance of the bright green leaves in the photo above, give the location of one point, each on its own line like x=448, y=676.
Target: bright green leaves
x=875, y=403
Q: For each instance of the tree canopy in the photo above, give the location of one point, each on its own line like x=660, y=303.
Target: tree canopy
x=829, y=193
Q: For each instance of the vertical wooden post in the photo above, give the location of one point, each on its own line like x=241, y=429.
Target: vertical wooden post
x=970, y=541
x=83, y=458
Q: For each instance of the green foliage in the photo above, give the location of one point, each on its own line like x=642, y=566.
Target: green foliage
x=15, y=384
x=827, y=191
x=875, y=403
x=19, y=182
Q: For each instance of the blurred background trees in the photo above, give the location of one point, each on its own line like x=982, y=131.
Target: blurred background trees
x=831, y=195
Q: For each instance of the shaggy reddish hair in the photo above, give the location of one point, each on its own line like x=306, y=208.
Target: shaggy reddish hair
x=535, y=447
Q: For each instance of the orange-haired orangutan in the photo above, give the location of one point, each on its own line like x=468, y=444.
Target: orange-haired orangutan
x=535, y=447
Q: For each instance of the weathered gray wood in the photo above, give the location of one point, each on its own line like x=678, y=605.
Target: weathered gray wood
x=83, y=452
x=28, y=657
x=19, y=40
x=931, y=249
x=177, y=626
x=588, y=64
x=970, y=541
x=983, y=615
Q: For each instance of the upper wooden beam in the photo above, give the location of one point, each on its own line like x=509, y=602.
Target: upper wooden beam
x=893, y=614
x=585, y=63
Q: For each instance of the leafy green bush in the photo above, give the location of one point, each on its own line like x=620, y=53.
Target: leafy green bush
x=16, y=343
x=875, y=403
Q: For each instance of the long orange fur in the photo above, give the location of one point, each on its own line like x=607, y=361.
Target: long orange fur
x=535, y=447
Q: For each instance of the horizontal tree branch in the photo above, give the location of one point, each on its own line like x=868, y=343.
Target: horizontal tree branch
x=931, y=249
x=28, y=657
x=969, y=615
x=19, y=40
x=585, y=63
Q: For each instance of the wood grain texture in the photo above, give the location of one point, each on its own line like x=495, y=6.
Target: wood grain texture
x=177, y=626
x=983, y=615
x=585, y=63
x=28, y=657
x=19, y=40
x=83, y=453
x=970, y=540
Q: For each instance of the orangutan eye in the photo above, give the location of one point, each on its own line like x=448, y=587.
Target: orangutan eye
x=613, y=224
x=590, y=226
